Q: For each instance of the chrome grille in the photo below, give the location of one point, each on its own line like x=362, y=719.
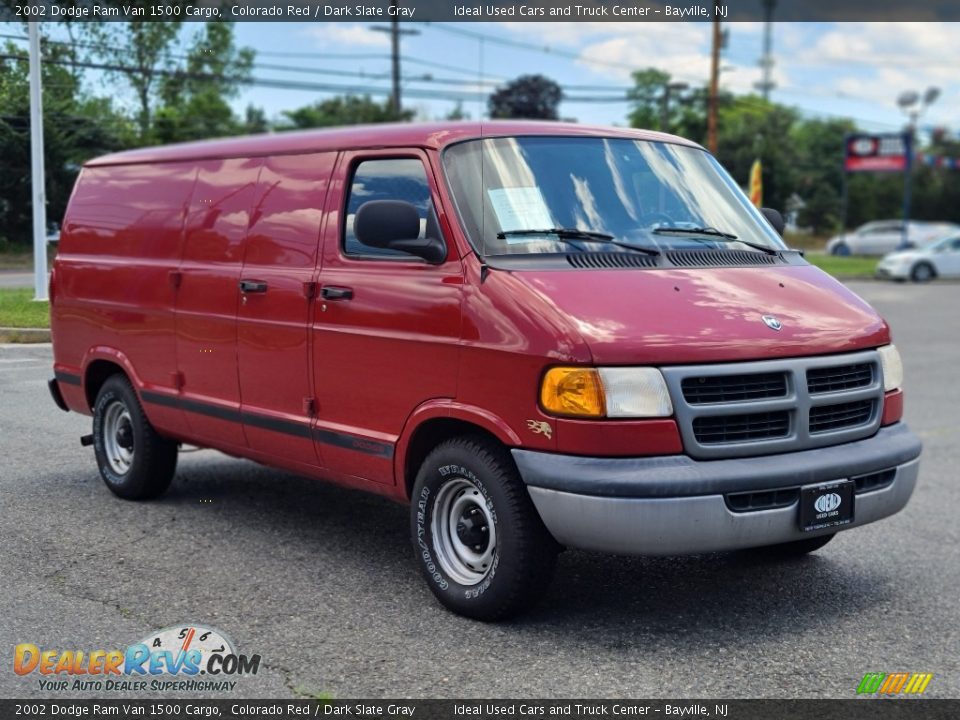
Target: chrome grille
x=776, y=406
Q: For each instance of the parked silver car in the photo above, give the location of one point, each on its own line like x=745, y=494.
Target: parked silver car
x=883, y=236
x=940, y=258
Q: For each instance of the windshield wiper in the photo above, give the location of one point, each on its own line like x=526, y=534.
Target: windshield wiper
x=573, y=234
x=713, y=235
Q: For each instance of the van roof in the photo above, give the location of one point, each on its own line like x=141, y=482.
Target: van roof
x=427, y=135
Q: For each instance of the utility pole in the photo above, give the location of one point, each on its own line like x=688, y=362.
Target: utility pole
x=668, y=91
x=714, y=100
x=37, y=180
x=766, y=62
x=395, y=32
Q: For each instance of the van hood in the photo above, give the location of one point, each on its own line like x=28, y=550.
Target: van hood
x=664, y=317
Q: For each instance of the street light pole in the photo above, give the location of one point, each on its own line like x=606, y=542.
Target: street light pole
x=913, y=104
x=36, y=168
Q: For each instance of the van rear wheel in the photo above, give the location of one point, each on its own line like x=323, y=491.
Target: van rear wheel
x=135, y=462
x=477, y=537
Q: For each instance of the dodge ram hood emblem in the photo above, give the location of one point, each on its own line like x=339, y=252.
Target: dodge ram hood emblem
x=771, y=322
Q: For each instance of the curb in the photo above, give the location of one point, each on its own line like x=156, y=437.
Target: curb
x=24, y=335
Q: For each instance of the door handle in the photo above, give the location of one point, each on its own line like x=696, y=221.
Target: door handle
x=333, y=292
x=253, y=286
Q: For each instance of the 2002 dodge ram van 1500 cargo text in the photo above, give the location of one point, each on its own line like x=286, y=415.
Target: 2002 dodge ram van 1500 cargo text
x=538, y=334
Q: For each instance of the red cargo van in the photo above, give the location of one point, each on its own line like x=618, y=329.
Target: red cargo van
x=540, y=335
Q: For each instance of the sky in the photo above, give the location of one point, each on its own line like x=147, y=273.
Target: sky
x=852, y=70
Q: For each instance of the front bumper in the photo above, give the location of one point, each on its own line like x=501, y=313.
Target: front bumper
x=675, y=505
x=892, y=272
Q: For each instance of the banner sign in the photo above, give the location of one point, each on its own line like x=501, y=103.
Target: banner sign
x=886, y=152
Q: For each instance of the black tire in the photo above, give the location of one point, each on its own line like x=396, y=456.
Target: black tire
x=923, y=272
x=797, y=548
x=135, y=462
x=496, y=518
x=840, y=249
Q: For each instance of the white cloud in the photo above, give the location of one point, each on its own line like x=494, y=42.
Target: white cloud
x=355, y=35
x=860, y=67
x=875, y=62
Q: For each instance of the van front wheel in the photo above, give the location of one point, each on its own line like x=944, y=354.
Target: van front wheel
x=477, y=537
x=135, y=462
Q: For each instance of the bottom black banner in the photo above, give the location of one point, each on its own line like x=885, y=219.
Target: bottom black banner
x=873, y=708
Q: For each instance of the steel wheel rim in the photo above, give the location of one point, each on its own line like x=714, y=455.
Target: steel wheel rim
x=464, y=533
x=118, y=437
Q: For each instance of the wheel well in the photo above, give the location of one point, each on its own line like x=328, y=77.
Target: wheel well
x=97, y=373
x=428, y=436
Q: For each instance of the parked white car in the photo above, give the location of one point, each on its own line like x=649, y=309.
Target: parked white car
x=940, y=258
x=883, y=236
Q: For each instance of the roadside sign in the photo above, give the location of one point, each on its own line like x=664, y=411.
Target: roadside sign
x=885, y=152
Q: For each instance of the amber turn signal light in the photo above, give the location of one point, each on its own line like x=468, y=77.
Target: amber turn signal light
x=572, y=391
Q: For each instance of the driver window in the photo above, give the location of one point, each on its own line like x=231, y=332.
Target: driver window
x=391, y=179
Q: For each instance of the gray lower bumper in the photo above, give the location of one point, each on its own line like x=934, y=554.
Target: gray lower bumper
x=650, y=521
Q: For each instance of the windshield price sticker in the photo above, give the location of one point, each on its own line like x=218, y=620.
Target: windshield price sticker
x=520, y=208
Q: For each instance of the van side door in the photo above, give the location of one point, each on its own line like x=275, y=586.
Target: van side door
x=206, y=311
x=277, y=287
x=387, y=333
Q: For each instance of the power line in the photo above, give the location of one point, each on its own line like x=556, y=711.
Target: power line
x=620, y=96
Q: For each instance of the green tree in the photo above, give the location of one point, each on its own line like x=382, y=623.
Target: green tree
x=195, y=97
x=458, y=113
x=140, y=53
x=341, y=110
x=76, y=127
x=819, y=171
x=529, y=96
x=750, y=128
x=646, y=97
x=255, y=121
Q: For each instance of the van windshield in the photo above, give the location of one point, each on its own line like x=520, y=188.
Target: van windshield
x=525, y=195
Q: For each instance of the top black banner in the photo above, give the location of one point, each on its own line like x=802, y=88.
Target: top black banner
x=938, y=11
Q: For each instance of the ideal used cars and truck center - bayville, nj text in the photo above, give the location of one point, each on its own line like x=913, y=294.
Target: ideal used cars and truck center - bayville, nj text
x=536, y=335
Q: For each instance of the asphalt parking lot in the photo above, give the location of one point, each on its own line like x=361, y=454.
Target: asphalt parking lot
x=321, y=583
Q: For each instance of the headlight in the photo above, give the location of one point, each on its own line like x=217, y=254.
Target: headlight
x=616, y=392
x=892, y=367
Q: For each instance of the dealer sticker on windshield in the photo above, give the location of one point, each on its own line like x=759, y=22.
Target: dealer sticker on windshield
x=520, y=208
x=823, y=506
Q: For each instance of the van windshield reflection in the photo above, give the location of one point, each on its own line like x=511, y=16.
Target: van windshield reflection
x=546, y=194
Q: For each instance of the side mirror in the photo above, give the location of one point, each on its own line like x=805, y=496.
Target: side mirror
x=395, y=224
x=775, y=219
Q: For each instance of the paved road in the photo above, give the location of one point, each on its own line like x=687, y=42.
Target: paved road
x=15, y=279
x=321, y=583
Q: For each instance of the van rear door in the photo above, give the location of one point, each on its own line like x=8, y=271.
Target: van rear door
x=276, y=292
